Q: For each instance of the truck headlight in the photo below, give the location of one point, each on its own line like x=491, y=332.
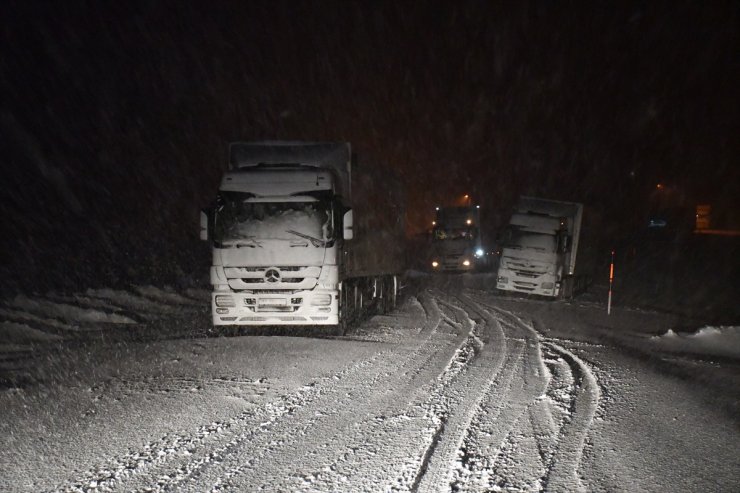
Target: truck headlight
x=466, y=262
x=479, y=252
x=503, y=280
x=225, y=300
x=548, y=285
x=435, y=264
x=321, y=299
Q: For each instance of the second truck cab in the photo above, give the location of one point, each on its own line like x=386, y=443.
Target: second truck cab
x=456, y=239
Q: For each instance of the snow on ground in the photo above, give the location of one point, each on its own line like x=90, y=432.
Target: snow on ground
x=163, y=295
x=67, y=312
x=31, y=327
x=19, y=332
x=713, y=341
x=456, y=390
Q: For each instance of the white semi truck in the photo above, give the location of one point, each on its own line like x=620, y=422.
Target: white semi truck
x=299, y=237
x=539, y=248
x=456, y=240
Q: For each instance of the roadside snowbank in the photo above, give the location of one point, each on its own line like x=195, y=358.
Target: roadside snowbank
x=54, y=317
x=67, y=312
x=715, y=341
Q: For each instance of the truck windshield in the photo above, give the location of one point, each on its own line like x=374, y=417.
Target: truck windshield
x=244, y=220
x=454, y=234
x=534, y=241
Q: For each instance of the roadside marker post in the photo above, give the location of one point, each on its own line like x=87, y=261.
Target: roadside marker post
x=611, y=281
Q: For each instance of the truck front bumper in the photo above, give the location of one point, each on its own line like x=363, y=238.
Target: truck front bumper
x=526, y=282
x=299, y=308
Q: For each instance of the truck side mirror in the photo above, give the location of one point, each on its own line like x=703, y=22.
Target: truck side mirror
x=348, y=232
x=204, y=224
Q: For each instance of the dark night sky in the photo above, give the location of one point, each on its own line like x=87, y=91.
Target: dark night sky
x=116, y=118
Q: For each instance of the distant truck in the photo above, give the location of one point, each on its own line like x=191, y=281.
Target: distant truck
x=456, y=240
x=299, y=237
x=539, y=249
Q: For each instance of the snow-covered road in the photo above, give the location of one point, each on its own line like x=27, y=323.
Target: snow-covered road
x=458, y=390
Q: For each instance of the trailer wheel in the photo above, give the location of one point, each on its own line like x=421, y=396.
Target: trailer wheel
x=383, y=302
x=392, y=293
x=566, y=289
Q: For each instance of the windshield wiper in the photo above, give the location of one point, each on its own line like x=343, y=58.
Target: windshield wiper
x=314, y=241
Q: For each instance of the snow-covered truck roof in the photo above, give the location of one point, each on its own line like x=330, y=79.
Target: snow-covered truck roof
x=335, y=156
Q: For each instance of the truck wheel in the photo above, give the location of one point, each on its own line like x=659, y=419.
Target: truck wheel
x=340, y=329
x=345, y=313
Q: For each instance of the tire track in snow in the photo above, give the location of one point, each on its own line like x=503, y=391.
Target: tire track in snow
x=192, y=461
x=465, y=376
x=462, y=397
x=563, y=474
x=489, y=458
x=455, y=408
x=384, y=448
x=140, y=469
x=139, y=466
x=572, y=394
x=370, y=442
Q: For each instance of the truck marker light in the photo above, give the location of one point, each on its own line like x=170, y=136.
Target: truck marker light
x=611, y=281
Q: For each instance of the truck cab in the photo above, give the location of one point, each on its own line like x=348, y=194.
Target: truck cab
x=539, y=247
x=456, y=240
x=276, y=229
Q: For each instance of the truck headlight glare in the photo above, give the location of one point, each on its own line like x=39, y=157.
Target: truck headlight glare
x=479, y=252
x=435, y=263
x=466, y=262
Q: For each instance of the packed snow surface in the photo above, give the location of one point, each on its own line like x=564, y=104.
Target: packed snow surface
x=719, y=341
x=454, y=390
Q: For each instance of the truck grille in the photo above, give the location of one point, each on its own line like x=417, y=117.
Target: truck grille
x=273, y=279
x=248, y=280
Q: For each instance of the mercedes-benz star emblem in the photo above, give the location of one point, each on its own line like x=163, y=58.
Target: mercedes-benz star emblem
x=272, y=275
